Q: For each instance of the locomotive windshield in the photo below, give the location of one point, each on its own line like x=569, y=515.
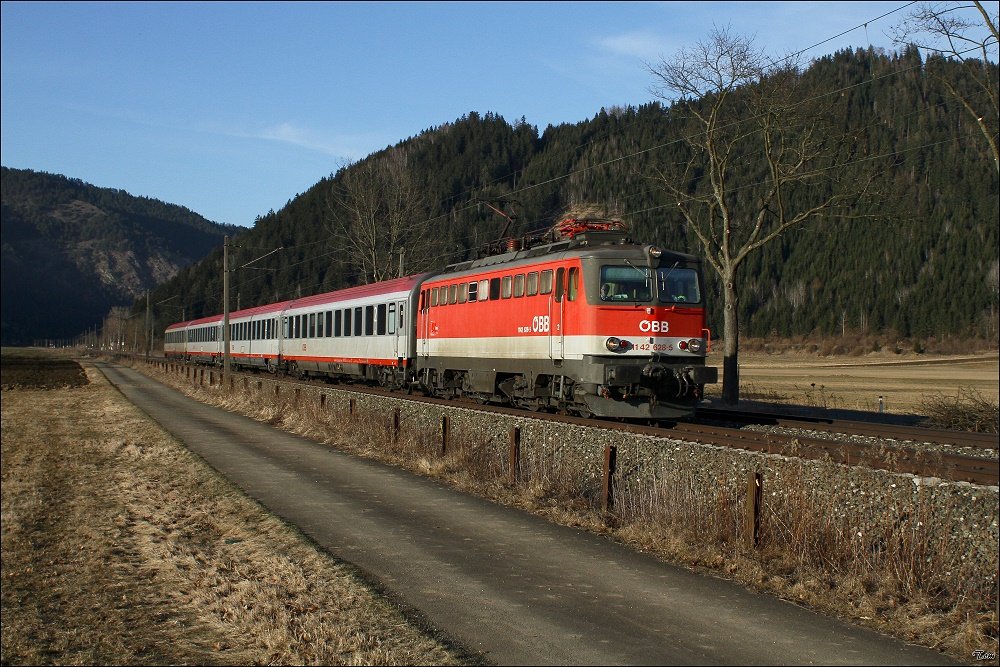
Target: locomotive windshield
x=677, y=285
x=625, y=283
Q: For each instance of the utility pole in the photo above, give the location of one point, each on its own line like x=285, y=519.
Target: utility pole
x=149, y=324
x=402, y=253
x=225, y=311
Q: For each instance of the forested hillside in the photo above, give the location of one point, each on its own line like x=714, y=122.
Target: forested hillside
x=918, y=259
x=72, y=251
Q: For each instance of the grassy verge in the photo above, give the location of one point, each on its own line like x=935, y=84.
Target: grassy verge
x=121, y=547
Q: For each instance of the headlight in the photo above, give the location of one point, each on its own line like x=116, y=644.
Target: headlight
x=696, y=345
x=613, y=344
x=654, y=252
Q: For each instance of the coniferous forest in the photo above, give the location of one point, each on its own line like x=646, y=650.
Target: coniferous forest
x=918, y=260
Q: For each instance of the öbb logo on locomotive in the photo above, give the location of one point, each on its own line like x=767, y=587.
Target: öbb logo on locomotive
x=617, y=329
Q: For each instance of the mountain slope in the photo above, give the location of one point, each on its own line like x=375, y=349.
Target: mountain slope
x=72, y=251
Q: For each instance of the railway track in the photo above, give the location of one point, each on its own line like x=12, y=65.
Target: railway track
x=895, y=449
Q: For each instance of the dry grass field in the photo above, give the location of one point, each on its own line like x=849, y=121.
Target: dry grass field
x=121, y=547
x=906, y=382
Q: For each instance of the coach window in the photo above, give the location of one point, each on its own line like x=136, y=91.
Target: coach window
x=572, y=285
x=494, y=289
x=369, y=320
x=336, y=323
x=518, y=285
x=329, y=324
x=348, y=326
x=546, y=282
x=505, y=287
x=380, y=319
x=473, y=288
x=298, y=327
x=357, y=321
x=312, y=325
x=391, y=319
x=532, y=283
x=484, y=290
x=463, y=292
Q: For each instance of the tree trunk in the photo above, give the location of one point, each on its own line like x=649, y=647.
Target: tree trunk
x=731, y=342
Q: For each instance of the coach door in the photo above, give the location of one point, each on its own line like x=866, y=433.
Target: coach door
x=395, y=329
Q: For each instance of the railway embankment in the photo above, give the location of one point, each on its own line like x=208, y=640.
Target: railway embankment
x=910, y=555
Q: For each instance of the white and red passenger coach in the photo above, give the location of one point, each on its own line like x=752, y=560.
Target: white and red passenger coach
x=586, y=321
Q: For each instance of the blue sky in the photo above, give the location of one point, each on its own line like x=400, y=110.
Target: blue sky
x=231, y=109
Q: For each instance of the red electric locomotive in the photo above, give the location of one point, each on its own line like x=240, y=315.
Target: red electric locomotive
x=591, y=323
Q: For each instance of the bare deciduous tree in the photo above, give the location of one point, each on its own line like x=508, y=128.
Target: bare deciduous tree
x=755, y=147
x=968, y=33
x=379, y=213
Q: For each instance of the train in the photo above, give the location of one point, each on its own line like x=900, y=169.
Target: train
x=581, y=320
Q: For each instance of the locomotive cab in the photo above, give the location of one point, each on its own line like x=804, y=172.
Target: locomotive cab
x=647, y=358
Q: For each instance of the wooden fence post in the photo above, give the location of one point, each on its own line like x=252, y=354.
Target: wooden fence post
x=755, y=495
x=445, y=433
x=608, y=486
x=514, y=456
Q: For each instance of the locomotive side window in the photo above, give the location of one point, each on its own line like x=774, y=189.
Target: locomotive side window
x=546, y=284
x=463, y=292
x=560, y=277
x=473, y=289
x=434, y=296
x=533, y=283
x=518, y=285
x=494, y=288
x=674, y=285
x=484, y=290
x=505, y=287
x=453, y=294
x=572, y=284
